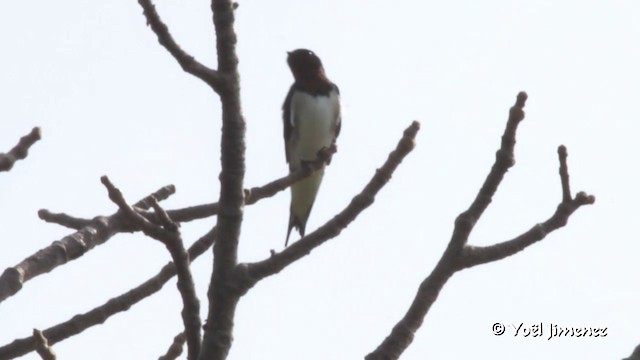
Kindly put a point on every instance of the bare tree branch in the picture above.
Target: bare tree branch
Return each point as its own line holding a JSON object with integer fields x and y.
{"x": 504, "y": 160}
{"x": 564, "y": 174}
{"x": 63, "y": 219}
{"x": 100, "y": 314}
{"x": 188, "y": 63}
{"x": 42, "y": 346}
{"x": 223, "y": 296}
{"x": 170, "y": 237}
{"x": 69, "y": 248}
{"x": 19, "y": 151}
{"x": 460, "y": 255}
{"x": 175, "y": 349}
{"x": 251, "y": 196}
{"x": 331, "y": 229}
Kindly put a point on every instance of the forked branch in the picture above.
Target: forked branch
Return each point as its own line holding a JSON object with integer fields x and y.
{"x": 70, "y": 247}
{"x": 188, "y": 63}
{"x": 169, "y": 235}
{"x": 459, "y": 255}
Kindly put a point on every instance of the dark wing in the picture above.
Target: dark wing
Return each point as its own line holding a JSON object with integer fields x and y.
{"x": 339, "y": 120}
{"x": 286, "y": 121}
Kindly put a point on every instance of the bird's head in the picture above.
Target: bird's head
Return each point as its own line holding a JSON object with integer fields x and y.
{"x": 304, "y": 64}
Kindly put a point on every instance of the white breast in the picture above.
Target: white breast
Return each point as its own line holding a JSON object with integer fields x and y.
{"x": 314, "y": 120}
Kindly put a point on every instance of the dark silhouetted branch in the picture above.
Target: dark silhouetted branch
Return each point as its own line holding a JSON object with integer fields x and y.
{"x": 169, "y": 235}
{"x": 476, "y": 255}
{"x": 460, "y": 255}
{"x": 175, "y": 349}
{"x": 222, "y": 296}
{"x": 100, "y": 314}
{"x": 188, "y": 63}
{"x": 64, "y": 219}
{"x": 251, "y": 196}
{"x": 333, "y": 227}
{"x": 70, "y": 247}
{"x": 19, "y": 151}
{"x": 42, "y": 346}
{"x": 564, "y": 174}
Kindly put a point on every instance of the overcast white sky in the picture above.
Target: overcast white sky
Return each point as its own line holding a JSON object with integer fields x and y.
{"x": 110, "y": 100}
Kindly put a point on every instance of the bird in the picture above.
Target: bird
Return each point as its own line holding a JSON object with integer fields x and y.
{"x": 312, "y": 121}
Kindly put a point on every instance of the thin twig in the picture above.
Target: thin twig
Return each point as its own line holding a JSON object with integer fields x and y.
{"x": 20, "y": 151}
{"x": 188, "y": 63}
{"x": 63, "y": 219}
{"x": 252, "y": 195}
{"x": 564, "y": 174}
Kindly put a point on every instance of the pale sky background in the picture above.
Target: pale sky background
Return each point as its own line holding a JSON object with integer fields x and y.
{"x": 111, "y": 101}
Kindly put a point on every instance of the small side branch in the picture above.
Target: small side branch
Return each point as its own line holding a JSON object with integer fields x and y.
{"x": 42, "y": 346}
{"x": 19, "y": 151}
{"x": 252, "y": 195}
{"x": 175, "y": 349}
{"x": 188, "y": 63}
{"x": 474, "y": 255}
{"x": 564, "y": 174}
{"x": 169, "y": 235}
{"x": 504, "y": 161}
{"x": 255, "y": 194}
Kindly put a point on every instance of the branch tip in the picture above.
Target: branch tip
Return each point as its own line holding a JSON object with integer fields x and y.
{"x": 564, "y": 174}
{"x": 20, "y": 151}
{"x": 521, "y": 99}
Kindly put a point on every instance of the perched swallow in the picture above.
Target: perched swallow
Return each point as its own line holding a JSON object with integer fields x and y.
{"x": 311, "y": 117}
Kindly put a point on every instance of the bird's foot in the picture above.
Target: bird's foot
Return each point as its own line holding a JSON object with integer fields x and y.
{"x": 325, "y": 153}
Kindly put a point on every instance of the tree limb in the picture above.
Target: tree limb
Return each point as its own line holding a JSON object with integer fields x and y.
{"x": 460, "y": 255}
{"x": 100, "y": 314}
{"x": 188, "y": 63}
{"x": 222, "y": 295}
{"x": 69, "y": 248}
{"x": 301, "y": 248}
{"x": 170, "y": 237}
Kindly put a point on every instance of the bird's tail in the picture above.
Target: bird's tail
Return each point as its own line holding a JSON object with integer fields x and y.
{"x": 300, "y": 223}
{"x": 303, "y": 195}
